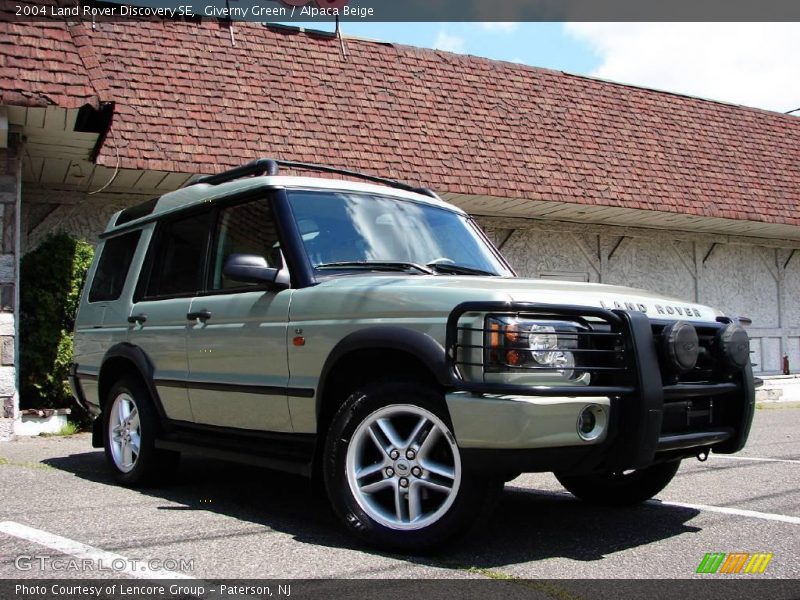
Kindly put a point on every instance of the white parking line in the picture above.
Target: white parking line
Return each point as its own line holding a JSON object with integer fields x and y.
{"x": 730, "y": 511}
{"x": 778, "y": 460}
{"x": 98, "y": 557}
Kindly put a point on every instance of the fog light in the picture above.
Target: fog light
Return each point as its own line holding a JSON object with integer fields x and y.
{"x": 586, "y": 422}
{"x": 591, "y": 422}
{"x": 681, "y": 345}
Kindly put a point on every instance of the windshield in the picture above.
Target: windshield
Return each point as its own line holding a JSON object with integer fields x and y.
{"x": 350, "y": 230}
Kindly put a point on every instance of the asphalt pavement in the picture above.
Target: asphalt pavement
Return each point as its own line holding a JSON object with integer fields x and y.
{"x": 231, "y": 521}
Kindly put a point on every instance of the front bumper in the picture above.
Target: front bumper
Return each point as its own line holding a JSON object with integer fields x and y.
{"x": 520, "y": 422}
{"x": 513, "y": 428}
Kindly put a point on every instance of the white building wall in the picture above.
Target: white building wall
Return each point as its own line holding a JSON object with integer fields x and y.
{"x": 741, "y": 276}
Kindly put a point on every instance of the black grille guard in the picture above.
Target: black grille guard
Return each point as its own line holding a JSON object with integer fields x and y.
{"x": 637, "y": 401}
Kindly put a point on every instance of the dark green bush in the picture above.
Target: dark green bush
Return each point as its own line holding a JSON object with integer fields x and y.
{"x": 51, "y": 278}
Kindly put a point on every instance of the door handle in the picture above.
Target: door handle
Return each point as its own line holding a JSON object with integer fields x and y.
{"x": 137, "y": 319}
{"x": 203, "y": 315}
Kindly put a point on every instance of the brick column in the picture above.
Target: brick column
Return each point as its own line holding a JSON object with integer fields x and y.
{"x": 10, "y": 189}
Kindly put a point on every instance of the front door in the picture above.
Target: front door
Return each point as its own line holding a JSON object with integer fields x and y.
{"x": 236, "y": 344}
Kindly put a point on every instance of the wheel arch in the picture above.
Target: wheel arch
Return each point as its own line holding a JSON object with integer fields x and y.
{"x": 376, "y": 353}
{"x": 126, "y": 359}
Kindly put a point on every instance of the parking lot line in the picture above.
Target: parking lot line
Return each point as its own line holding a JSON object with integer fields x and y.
{"x": 99, "y": 558}
{"x": 778, "y": 460}
{"x": 730, "y": 511}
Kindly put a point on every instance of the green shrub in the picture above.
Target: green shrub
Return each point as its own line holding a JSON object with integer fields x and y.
{"x": 51, "y": 278}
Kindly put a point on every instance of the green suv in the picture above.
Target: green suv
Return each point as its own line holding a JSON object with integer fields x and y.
{"x": 370, "y": 335}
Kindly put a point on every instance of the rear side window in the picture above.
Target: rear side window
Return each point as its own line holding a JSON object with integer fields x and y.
{"x": 112, "y": 270}
{"x": 179, "y": 256}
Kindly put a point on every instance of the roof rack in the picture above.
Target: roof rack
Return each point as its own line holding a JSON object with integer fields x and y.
{"x": 269, "y": 166}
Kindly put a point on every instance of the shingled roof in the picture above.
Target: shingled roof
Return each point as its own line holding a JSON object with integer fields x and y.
{"x": 187, "y": 100}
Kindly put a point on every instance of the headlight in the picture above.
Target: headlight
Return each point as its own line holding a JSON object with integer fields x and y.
{"x": 523, "y": 345}
{"x": 545, "y": 350}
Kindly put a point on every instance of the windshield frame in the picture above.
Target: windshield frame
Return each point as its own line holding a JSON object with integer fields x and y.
{"x": 319, "y": 275}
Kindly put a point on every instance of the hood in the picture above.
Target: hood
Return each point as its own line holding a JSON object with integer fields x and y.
{"x": 429, "y": 295}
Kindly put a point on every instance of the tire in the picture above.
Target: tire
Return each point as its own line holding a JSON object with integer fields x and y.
{"x": 393, "y": 471}
{"x": 621, "y": 488}
{"x": 129, "y": 427}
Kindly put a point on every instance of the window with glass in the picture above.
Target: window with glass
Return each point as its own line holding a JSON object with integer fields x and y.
{"x": 179, "y": 255}
{"x": 247, "y": 228}
{"x": 346, "y": 230}
{"x": 112, "y": 269}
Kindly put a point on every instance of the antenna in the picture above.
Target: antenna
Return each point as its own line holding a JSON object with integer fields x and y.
{"x": 230, "y": 23}
{"x": 338, "y": 34}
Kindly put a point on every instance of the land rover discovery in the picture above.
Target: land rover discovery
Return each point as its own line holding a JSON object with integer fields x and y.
{"x": 365, "y": 332}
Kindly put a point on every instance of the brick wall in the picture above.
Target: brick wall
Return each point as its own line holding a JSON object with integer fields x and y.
{"x": 9, "y": 193}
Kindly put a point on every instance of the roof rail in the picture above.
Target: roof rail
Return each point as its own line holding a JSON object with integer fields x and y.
{"x": 269, "y": 166}
{"x": 257, "y": 167}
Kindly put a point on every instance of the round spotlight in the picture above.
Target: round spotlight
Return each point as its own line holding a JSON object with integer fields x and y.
{"x": 681, "y": 345}
{"x": 734, "y": 345}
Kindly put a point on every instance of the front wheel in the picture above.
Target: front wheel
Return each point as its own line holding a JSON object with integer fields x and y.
{"x": 393, "y": 470}
{"x": 621, "y": 488}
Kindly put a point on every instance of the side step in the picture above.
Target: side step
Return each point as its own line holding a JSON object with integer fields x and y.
{"x": 287, "y": 452}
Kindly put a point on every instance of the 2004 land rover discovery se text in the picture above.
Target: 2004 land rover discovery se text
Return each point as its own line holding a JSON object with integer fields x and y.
{"x": 369, "y": 334}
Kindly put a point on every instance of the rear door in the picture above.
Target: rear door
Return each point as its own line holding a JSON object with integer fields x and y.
{"x": 102, "y": 320}
{"x": 171, "y": 277}
{"x": 238, "y": 367}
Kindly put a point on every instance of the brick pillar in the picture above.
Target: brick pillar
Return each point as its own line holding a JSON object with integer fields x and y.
{"x": 10, "y": 188}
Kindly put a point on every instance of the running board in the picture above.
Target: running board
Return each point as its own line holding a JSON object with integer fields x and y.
{"x": 287, "y": 452}
{"x": 269, "y": 462}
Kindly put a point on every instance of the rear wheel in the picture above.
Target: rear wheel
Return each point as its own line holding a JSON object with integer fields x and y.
{"x": 130, "y": 432}
{"x": 393, "y": 470}
{"x": 621, "y": 488}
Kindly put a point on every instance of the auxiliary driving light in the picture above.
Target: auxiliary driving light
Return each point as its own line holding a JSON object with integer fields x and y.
{"x": 733, "y": 344}
{"x": 681, "y": 345}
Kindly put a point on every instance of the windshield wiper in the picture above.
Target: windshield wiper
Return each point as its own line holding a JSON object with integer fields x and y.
{"x": 446, "y": 267}
{"x": 376, "y": 265}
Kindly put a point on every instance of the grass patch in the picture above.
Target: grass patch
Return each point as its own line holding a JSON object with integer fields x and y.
{"x": 776, "y": 405}
{"x": 68, "y": 429}
{"x": 551, "y": 590}
{"x": 25, "y": 465}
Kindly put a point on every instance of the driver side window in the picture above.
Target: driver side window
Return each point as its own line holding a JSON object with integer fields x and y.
{"x": 247, "y": 228}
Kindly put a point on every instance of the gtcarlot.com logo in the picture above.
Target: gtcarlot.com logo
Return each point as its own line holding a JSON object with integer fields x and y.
{"x": 733, "y": 563}
{"x": 28, "y": 562}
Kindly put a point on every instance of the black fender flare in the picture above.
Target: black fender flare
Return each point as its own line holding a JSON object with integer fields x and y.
{"x": 386, "y": 337}
{"x": 142, "y": 363}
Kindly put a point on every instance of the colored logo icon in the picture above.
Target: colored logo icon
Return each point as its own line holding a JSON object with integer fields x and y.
{"x": 734, "y": 562}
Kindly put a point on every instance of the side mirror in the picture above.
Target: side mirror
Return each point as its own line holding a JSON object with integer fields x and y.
{"x": 252, "y": 268}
